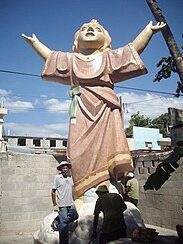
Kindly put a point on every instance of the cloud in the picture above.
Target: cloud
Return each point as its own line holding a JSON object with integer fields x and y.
{"x": 57, "y": 127}
{"x": 148, "y": 105}
{"x": 18, "y": 106}
{"x": 46, "y": 130}
{"x": 43, "y": 96}
{"x": 4, "y": 92}
{"x": 12, "y": 103}
{"x": 55, "y": 106}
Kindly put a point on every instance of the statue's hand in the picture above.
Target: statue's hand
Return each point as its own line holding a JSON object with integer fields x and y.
{"x": 30, "y": 39}
{"x": 157, "y": 27}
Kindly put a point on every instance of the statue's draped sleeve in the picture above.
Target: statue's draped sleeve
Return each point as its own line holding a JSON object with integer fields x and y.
{"x": 58, "y": 67}
{"x": 113, "y": 66}
{"x": 125, "y": 63}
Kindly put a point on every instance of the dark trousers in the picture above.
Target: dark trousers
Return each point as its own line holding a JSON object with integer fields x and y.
{"x": 130, "y": 199}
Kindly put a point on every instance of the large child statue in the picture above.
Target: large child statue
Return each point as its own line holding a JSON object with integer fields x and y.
{"x": 97, "y": 146}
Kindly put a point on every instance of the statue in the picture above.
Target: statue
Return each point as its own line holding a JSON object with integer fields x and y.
{"x": 97, "y": 145}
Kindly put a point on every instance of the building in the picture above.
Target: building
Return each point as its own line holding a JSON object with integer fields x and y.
{"x": 36, "y": 144}
{"x": 143, "y": 139}
{"x": 147, "y": 139}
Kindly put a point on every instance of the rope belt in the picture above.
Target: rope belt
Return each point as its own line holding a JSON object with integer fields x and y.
{"x": 74, "y": 93}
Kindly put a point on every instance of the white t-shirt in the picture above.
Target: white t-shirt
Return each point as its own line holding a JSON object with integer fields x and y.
{"x": 63, "y": 187}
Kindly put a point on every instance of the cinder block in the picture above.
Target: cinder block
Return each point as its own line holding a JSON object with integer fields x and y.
{"x": 14, "y": 216}
{"x": 152, "y": 170}
{"x": 155, "y": 163}
{"x": 37, "y": 215}
{"x": 179, "y": 200}
{"x": 139, "y": 164}
{"x": 7, "y": 171}
{"x": 8, "y": 187}
{"x": 22, "y": 171}
{"x": 143, "y": 170}
{"x": 147, "y": 164}
{"x": 23, "y": 226}
{"x": 11, "y": 194}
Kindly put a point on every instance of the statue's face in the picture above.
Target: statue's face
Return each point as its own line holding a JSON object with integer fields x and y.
{"x": 91, "y": 35}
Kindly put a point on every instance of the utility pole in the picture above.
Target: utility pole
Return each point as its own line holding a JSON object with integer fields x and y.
{"x": 3, "y": 112}
{"x": 122, "y": 110}
{"x": 168, "y": 36}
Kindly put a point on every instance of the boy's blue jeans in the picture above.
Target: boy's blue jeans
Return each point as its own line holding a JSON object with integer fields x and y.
{"x": 66, "y": 215}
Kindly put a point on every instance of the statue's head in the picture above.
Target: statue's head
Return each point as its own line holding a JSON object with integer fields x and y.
{"x": 92, "y": 35}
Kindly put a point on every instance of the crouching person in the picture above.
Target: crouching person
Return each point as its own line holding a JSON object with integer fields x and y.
{"x": 63, "y": 201}
{"x": 112, "y": 205}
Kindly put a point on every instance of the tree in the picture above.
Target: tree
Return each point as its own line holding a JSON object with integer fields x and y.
{"x": 177, "y": 59}
{"x": 137, "y": 120}
{"x": 161, "y": 123}
{"x": 167, "y": 66}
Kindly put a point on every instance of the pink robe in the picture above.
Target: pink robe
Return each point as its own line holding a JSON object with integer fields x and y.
{"x": 97, "y": 145}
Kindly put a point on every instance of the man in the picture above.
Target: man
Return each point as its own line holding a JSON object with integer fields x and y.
{"x": 63, "y": 202}
{"x": 112, "y": 206}
{"x": 132, "y": 189}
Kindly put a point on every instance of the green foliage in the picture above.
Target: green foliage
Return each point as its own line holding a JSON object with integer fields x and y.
{"x": 142, "y": 121}
{"x": 136, "y": 120}
{"x": 167, "y": 67}
{"x": 161, "y": 123}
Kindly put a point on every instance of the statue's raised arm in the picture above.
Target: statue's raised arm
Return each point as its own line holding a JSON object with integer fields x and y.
{"x": 39, "y": 47}
{"x": 144, "y": 37}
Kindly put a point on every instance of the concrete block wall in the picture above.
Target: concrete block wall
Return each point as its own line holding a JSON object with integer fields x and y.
{"x": 25, "y": 186}
{"x": 164, "y": 207}
{"x": 26, "y": 181}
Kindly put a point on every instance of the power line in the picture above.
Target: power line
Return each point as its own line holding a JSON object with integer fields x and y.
{"x": 19, "y": 73}
{"x": 26, "y": 109}
{"x": 123, "y": 87}
{"x": 147, "y": 90}
{"x": 142, "y": 101}
{"x": 47, "y": 109}
{"x": 30, "y": 96}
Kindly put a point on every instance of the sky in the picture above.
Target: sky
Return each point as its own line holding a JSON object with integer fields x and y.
{"x": 40, "y": 108}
